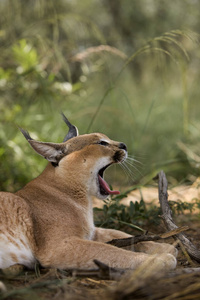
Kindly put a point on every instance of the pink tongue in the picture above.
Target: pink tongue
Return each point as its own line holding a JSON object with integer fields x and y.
{"x": 106, "y": 187}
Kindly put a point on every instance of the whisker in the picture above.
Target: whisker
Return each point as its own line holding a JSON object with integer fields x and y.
{"x": 130, "y": 173}
{"x": 137, "y": 156}
{"x": 133, "y": 166}
{"x": 134, "y": 163}
{"x": 135, "y": 160}
{"x": 126, "y": 171}
{"x": 130, "y": 162}
{"x": 136, "y": 169}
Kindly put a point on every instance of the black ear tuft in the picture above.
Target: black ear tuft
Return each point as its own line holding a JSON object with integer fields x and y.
{"x": 73, "y": 131}
{"x": 25, "y": 134}
{"x": 66, "y": 120}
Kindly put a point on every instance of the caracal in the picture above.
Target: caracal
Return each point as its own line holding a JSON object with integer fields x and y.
{"x": 50, "y": 220}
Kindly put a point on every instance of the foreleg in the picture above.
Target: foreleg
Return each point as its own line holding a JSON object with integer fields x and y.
{"x": 78, "y": 253}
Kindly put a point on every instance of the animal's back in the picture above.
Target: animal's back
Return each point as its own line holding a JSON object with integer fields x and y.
{"x": 16, "y": 232}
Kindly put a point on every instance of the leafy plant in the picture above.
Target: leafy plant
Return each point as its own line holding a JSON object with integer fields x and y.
{"x": 180, "y": 207}
{"x": 119, "y": 216}
{"x": 137, "y": 215}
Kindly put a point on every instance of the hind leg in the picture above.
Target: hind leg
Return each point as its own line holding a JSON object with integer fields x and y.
{"x": 155, "y": 248}
{"x": 14, "y": 249}
{"x": 16, "y": 237}
{"x": 105, "y": 235}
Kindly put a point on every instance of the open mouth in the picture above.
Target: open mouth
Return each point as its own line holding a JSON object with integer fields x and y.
{"x": 103, "y": 185}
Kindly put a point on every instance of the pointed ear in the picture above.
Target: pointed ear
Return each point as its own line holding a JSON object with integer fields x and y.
{"x": 73, "y": 130}
{"x": 50, "y": 151}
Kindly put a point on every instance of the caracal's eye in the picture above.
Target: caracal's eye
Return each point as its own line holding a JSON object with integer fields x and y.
{"x": 103, "y": 143}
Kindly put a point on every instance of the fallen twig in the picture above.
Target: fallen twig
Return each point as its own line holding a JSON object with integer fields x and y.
{"x": 173, "y": 232}
{"x": 102, "y": 271}
{"x": 106, "y": 272}
{"x": 146, "y": 238}
{"x": 167, "y": 218}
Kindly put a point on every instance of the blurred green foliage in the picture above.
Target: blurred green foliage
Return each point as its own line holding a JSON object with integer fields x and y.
{"x": 129, "y": 69}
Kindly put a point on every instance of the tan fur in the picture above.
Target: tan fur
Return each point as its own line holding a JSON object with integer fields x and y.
{"x": 50, "y": 220}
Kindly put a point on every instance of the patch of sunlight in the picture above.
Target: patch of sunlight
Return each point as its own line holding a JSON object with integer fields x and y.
{"x": 64, "y": 87}
{"x": 17, "y": 150}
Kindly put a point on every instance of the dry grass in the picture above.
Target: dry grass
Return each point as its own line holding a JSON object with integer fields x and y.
{"x": 137, "y": 286}
{"x": 144, "y": 283}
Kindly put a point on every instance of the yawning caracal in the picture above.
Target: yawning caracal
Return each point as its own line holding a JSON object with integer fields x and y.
{"x": 50, "y": 220}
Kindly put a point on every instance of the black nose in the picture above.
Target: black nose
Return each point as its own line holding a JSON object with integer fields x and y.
{"x": 122, "y": 146}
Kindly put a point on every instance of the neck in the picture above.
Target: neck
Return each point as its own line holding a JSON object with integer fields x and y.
{"x": 51, "y": 198}
{"x": 49, "y": 185}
